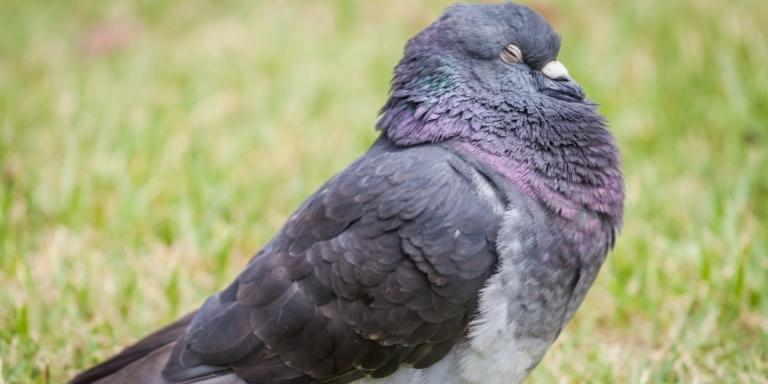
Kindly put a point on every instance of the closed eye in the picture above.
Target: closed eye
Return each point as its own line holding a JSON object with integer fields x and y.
{"x": 511, "y": 54}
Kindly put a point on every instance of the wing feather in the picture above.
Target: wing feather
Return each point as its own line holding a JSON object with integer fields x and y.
{"x": 382, "y": 266}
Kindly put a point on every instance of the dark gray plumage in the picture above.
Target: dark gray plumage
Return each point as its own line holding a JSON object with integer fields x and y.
{"x": 454, "y": 250}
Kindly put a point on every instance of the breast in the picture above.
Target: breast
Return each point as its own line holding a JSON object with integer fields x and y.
{"x": 542, "y": 277}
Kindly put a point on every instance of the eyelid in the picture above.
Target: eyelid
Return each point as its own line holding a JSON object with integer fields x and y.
{"x": 511, "y": 54}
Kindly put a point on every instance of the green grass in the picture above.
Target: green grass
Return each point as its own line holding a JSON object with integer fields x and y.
{"x": 138, "y": 174}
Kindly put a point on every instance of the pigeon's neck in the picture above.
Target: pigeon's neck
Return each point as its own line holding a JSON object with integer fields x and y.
{"x": 567, "y": 161}
{"x": 563, "y": 195}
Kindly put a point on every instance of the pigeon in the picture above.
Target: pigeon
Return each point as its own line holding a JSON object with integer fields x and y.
{"x": 454, "y": 250}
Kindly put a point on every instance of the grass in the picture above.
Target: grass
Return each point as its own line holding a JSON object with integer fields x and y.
{"x": 147, "y": 149}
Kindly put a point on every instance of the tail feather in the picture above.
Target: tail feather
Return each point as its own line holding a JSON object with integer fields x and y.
{"x": 151, "y": 353}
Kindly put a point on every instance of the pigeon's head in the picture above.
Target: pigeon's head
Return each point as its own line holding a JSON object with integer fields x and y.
{"x": 505, "y": 47}
{"x": 485, "y": 60}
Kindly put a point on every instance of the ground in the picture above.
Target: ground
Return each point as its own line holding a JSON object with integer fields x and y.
{"x": 148, "y": 149}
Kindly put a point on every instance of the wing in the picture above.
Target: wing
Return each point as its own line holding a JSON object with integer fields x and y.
{"x": 381, "y": 267}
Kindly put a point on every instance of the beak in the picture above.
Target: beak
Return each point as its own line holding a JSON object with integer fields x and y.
{"x": 555, "y": 70}
{"x": 558, "y": 83}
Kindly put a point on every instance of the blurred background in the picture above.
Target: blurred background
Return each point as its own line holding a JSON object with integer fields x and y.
{"x": 148, "y": 149}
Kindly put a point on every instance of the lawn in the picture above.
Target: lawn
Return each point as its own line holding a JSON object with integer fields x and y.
{"x": 148, "y": 149}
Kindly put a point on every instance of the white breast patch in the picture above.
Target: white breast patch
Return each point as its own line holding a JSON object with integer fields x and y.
{"x": 495, "y": 354}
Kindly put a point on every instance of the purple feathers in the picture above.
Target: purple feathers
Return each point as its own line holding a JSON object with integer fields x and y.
{"x": 557, "y": 151}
